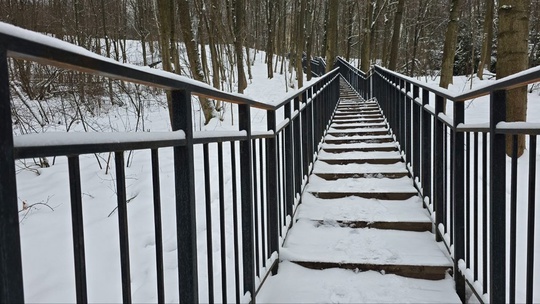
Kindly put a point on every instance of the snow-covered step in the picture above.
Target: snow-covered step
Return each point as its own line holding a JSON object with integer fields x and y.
{"x": 357, "y": 212}
{"x": 371, "y": 187}
{"x": 360, "y": 157}
{"x": 407, "y": 253}
{"x": 358, "y": 125}
{"x": 331, "y": 172}
{"x": 367, "y": 147}
{"x": 358, "y": 111}
{"x": 358, "y": 139}
{"x": 296, "y": 284}
{"x": 357, "y": 106}
{"x": 357, "y": 131}
{"x": 358, "y": 120}
{"x": 347, "y": 115}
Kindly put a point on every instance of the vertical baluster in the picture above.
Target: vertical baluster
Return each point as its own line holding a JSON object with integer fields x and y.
{"x": 408, "y": 130}
{"x": 468, "y": 200}
{"x": 530, "y": 221}
{"x": 208, "y": 217}
{"x": 77, "y": 228}
{"x": 123, "y": 226}
{"x": 11, "y": 281}
{"x": 458, "y": 197}
{"x": 235, "y": 222}
{"x": 484, "y": 211}
{"x": 256, "y": 201}
{"x": 297, "y": 148}
{"x": 158, "y": 235}
{"x": 416, "y": 131}
{"x": 222, "y": 230}
{"x": 476, "y": 192}
{"x": 262, "y": 218}
{"x": 497, "y": 269}
{"x": 513, "y": 219}
{"x": 289, "y": 168}
{"x": 438, "y": 167}
{"x": 426, "y": 147}
{"x": 272, "y": 185}
{"x": 247, "y": 201}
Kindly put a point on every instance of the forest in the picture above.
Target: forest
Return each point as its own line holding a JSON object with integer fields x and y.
{"x": 210, "y": 40}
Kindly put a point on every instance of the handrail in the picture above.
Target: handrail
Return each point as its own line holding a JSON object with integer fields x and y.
{"x": 509, "y": 82}
{"x": 25, "y": 44}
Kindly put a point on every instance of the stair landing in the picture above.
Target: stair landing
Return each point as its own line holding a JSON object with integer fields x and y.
{"x": 360, "y": 234}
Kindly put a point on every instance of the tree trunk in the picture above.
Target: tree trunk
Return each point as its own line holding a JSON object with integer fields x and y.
{"x": 512, "y": 52}
{"x": 239, "y": 34}
{"x": 300, "y": 34}
{"x": 450, "y": 41}
{"x": 394, "y": 48}
{"x": 270, "y": 24}
{"x": 193, "y": 57}
{"x": 332, "y": 34}
{"x": 485, "y": 57}
{"x": 366, "y": 45}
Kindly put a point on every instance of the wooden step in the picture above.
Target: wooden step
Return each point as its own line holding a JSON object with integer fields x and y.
{"x": 358, "y": 120}
{"x": 406, "y": 253}
{"x": 359, "y": 139}
{"x": 297, "y": 284}
{"x": 358, "y": 132}
{"x": 361, "y": 147}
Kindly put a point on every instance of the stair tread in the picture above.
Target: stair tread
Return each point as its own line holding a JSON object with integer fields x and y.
{"x": 311, "y": 241}
{"x": 322, "y": 167}
{"x": 361, "y": 185}
{"x": 355, "y": 138}
{"x": 360, "y": 145}
{"x": 323, "y": 155}
{"x": 357, "y": 130}
{"x": 354, "y": 209}
{"x": 297, "y": 284}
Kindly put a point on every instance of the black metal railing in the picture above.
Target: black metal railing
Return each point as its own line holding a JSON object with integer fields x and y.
{"x": 268, "y": 171}
{"x": 359, "y": 80}
{"x": 318, "y": 66}
{"x": 460, "y": 169}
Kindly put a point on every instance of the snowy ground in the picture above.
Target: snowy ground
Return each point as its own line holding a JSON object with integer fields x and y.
{"x": 46, "y": 229}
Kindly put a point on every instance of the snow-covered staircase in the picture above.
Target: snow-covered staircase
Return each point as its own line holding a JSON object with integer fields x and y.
{"x": 360, "y": 233}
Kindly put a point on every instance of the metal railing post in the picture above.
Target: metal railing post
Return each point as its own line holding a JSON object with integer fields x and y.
{"x": 458, "y": 184}
{"x": 416, "y": 133}
{"x": 272, "y": 185}
{"x": 288, "y": 154}
{"x": 246, "y": 193}
{"x": 426, "y": 147}
{"x": 497, "y": 199}
{"x": 11, "y": 280}
{"x": 184, "y": 172}
{"x": 438, "y": 167}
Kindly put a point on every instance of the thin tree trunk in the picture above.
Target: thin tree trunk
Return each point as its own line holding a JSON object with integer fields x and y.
{"x": 450, "y": 41}
{"x": 239, "y": 36}
{"x": 485, "y": 57}
{"x": 332, "y": 34}
{"x": 366, "y": 45}
{"x": 512, "y": 52}
{"x": 394, "y": 48}
{"x": 193, "y": 57}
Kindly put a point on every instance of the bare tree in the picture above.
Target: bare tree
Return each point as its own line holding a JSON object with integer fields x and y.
{"x": 512, "y": 57}
{"x": 485, "y": 57}
{"x": 332, "y": 34}
{"x": 450, "y": 42}
{"x": 394, "y": 48}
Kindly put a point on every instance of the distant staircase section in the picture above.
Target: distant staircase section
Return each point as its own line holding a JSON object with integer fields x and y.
{"x": 361, "y": 216}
